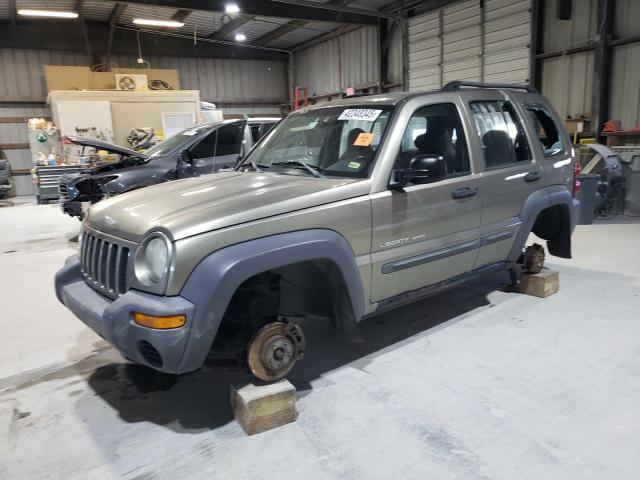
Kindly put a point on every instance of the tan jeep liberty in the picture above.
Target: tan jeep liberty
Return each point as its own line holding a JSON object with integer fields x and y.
{"x": 342, "y": 211}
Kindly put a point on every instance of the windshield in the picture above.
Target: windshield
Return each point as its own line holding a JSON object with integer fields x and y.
{"x": 175, "y": 141}
{"x": 337, "y": 141}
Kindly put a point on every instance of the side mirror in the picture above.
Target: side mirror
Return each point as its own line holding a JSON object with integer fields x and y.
{"x": 424, "y": 168}
{"x": 185, "y": 156}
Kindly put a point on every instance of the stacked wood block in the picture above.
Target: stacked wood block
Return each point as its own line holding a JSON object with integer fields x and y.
{"x": 258, "y": 408}
{"x": 540, "y": 284}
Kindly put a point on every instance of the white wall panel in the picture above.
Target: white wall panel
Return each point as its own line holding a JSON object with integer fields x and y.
{"x": 625, "y": 85}
{"x": 567, "y": 83}
{"x": 564, "y": 34}
{"x": 349, "y": 60}
{"x": 425, "y": 52}
{"x": 465, "y": 41}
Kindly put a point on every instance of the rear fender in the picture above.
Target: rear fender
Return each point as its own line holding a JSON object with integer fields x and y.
{"x": 554, "y": 196}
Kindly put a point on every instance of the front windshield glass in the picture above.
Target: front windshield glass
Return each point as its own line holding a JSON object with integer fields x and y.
{"x": 175, "y": 141}
{"x": 336, "y": 141}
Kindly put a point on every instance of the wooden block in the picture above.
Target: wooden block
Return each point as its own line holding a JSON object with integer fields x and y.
{"x": 541, "y": 284}
{"x": 258, "y": 408}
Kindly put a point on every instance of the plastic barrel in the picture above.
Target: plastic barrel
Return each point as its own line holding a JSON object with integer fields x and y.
{"x": 589, "y": 198}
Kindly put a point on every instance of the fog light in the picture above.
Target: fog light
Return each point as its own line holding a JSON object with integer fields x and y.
{"x": 160, "y": 323}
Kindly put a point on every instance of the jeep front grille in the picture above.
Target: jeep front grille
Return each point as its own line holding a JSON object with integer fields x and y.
{"x": 104, "y": 264}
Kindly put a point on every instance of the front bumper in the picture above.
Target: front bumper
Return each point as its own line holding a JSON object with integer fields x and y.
{"x": 111, "y": 319}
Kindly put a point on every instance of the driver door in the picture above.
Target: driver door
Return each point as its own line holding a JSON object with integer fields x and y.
{"x": 219, "y": 149}
{"x": 427, "y": 233}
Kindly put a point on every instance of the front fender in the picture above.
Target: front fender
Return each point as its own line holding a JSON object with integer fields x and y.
{"x": 136, "y": 177}
{"x": 216, "y": 278}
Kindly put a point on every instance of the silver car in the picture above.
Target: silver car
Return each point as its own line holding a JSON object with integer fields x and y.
{"x": 342, "y": 211}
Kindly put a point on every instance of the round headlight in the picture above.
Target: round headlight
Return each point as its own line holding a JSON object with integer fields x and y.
{"x": 153, "y": 260}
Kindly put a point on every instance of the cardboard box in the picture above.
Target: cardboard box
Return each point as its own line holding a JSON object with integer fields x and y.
{"x": 60, "y": 77}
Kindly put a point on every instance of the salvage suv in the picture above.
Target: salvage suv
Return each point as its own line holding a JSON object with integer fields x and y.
{"x": 197, "y": 150}
{"x": 342, "y": 211}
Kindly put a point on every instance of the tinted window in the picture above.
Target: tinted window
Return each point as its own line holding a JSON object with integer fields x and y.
{"x": 501, "y": 133}
{"x": 547, "y": 131}
{"x": 222, "y": 141}
{"x": 258, "y": 130}
{"x": 436, "y": 130}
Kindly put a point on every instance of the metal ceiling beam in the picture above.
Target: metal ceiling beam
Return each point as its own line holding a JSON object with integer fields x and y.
{"x": 181, "y": 15}
{"x": 230, "y": 27}
{"x": 79, "y": 7}
{"x": 279, "y": 32}
{"x": 275, "y": 8}
{"x": 114, "y": 17}
{"x": 293, "y": 25}
{"x": 326, "y": 36}
{"x": 116, "y": 13}
{"x": 12, "y": 12}
{"x": 34, "y": 35}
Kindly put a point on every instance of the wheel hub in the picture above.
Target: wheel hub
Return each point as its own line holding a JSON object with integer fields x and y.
{"x": 533, "y": 258}
{"x": 275, "y": 349}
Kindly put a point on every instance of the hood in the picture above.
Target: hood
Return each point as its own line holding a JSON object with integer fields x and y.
{"x": 188, "y": 207}
{"x": 109, "y": 147}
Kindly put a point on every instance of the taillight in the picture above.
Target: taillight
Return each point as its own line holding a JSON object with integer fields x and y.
{"x": 576, "y": 182}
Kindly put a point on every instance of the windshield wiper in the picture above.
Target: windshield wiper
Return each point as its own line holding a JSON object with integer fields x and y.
{"x": 257, "y": 167}
{"x": 290, "y": 163}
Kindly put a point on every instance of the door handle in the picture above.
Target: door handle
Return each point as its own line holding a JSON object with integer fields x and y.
{"x": 464, "y": 192}
{"x": 532, "y": 177}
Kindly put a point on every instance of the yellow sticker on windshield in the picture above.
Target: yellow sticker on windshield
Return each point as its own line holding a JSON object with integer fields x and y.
{"x": 363, "y": 140}
{"x": 354, "y": 164}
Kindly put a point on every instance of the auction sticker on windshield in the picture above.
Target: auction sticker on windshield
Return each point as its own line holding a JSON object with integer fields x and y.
{"x": 366, "y": 114}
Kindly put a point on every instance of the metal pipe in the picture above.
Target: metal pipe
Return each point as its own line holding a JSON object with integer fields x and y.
{"x": 202, "y": 39}
{"x": 337, "y": 8}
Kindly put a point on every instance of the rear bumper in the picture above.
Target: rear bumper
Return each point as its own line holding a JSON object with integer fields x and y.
{"x": 575, "y": 211}
{"x": 111, "y": 319}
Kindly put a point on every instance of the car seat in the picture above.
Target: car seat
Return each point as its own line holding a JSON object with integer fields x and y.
{"x": 498, "y": 148}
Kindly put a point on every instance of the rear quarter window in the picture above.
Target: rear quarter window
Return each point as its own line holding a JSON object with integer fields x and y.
{"x": 549, "y": 134}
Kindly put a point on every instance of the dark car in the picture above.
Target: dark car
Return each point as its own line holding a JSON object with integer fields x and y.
{"x": 195, "y": 151}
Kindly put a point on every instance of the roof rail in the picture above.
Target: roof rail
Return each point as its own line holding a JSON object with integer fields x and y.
{"x": 456, "y": 84}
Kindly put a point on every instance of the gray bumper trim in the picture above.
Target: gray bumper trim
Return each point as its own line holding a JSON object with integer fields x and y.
{"x": 111, "y": 319}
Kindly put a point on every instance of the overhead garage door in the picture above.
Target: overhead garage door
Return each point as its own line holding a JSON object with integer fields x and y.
{"x": 470, "y": 40}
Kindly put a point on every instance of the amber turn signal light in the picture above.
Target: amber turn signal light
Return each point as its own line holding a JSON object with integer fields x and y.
{"x": 160, "y": 323}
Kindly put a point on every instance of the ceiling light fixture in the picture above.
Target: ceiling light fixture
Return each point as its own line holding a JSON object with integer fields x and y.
{"x": 232, "y": 8}
{"x": 28, "y": 12}
{"x": 158, "y": 23}
{"x": 240, "y": 37}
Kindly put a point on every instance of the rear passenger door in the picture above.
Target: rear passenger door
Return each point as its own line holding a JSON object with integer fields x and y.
{"x": 510, "y": 171}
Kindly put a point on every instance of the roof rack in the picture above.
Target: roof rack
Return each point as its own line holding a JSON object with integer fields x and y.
{"x": 456, "y": 84}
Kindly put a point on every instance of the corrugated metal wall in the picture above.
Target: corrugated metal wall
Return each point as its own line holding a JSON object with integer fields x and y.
{"x": 567, "y": 83}
{"x": 233, "y": 84}
{"x": 350, "y": 60}
{"x": 625, "y": 66}
{"x": 22, "y": 77}
{"x": 470, "y": 40}
{"x": 567, "y": 80}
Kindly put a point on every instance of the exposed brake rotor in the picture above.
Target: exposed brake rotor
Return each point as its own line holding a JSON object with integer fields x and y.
{"x": 275, "y": 349}
{"x": 533, "y": 259}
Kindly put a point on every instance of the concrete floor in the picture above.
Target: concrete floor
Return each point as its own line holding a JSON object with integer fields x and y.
{"x": 476, "y": 383}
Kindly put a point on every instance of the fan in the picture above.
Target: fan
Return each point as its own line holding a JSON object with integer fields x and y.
{"x": 126, "y": 83}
